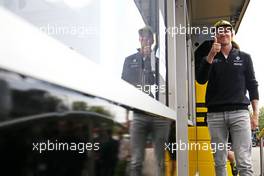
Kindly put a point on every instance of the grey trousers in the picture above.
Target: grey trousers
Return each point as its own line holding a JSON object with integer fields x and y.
{"x": 143, "y": 125}
{"x": 237, "y": 123}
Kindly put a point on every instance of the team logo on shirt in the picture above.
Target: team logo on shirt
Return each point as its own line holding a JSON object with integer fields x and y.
{"x": 134, "y": 63}
{"x": 238, "y": 61}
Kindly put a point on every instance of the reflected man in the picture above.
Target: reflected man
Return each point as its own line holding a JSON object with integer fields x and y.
{"x": 137, "y": 71}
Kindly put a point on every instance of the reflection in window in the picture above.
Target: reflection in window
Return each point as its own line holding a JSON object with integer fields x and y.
{"x": 69, "y": 146}
{"x": 152, "y": 13}
{"x": 101, "y": 30}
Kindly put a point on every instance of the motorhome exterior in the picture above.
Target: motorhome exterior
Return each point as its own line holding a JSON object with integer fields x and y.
{"x": 61, "y": 93}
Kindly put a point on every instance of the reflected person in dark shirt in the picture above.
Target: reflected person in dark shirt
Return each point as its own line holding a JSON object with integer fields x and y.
{"x": 137, "y": 71}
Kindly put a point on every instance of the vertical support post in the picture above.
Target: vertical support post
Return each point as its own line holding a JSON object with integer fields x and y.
{"x": 261, "y": 158}
{"x": 171, "y": 58}
{"x": 182, "y": 89}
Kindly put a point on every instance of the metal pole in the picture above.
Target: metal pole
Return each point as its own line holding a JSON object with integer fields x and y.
{"x": 261, "y": 157}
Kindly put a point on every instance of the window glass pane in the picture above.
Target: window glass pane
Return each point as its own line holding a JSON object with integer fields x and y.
{"x": 49, "y": 130}
{"x": 103, "y": 31}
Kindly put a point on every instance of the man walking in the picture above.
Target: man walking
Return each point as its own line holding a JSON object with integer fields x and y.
{"x": 230, "y": 75}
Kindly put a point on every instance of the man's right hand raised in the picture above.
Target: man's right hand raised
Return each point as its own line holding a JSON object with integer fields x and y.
{"x": 216, "y": 47}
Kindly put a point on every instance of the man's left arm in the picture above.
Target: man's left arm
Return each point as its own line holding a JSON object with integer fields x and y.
{"x": 252, "y": 86}
{"x": 255, "y": 115}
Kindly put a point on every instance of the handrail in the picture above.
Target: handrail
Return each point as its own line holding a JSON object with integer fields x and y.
{"x": 260, "y": 137}
{"x": 261, "y": 134}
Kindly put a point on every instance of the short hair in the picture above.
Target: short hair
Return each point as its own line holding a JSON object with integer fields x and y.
{"x": 223, "y": 23}
{"x": 145, "y": 31}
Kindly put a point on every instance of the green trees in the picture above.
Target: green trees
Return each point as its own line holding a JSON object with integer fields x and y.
{"x": 261, "y": 118}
